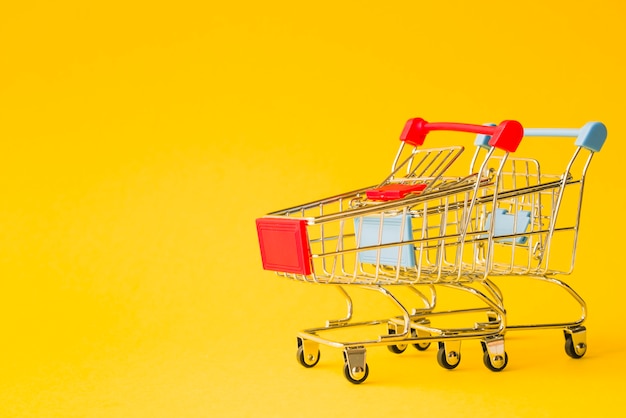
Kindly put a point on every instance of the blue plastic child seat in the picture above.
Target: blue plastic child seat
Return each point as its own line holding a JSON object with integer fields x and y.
{"x": 505, "y": 222}
{"x": 368, "y": 231}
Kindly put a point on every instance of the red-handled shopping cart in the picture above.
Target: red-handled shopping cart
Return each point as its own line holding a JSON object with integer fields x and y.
{"x": 400, "y": 232}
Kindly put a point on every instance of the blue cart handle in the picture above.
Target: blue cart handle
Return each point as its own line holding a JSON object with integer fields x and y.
{"x": 591, "y": 136}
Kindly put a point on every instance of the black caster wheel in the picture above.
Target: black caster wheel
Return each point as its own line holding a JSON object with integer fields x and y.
{"x": 449, "y": 361}
{"x": 397, "y": 349}
{"x": 421, "y": 346}
{"x": 572, "y": 349}
{"x": 355, "y": 376}
{"x": 308, "y": 361}
{"x": 500, "y": 363}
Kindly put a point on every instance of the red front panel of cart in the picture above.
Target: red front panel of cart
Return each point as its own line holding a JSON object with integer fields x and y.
{"x": 284, "y": 245}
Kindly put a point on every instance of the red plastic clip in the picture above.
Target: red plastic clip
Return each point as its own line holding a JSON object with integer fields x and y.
{"x": 394, "y": 191}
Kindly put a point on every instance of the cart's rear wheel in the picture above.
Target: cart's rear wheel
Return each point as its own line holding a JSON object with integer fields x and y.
{"x": 448, "y": 360}
{"x": 307, "y": 361}
{"x": 499, "y": 366}
{"x": 360, "y": 375}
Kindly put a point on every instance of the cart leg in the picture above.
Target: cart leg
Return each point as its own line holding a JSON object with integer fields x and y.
{"x": 429, "y": 302}
{"x": 349, "y": 310}
{"x": 355, "y": 368}
{"x": 308, "y": 353}
{"x": 575, "y": 341}
{"x": 494, "y": 355}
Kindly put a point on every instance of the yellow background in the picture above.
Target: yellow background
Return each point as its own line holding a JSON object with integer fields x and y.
{"x": 140, "y": 140}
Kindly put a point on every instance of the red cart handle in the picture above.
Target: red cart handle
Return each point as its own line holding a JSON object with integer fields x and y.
{"x": 505, "y": 136}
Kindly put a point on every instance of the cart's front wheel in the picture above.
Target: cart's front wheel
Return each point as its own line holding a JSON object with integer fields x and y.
{"x": 574, "y": 349}
{"x": 397, "y": 348}
{"x": 309, "y": 360}
{"x": 498, "y": 364}
{"x": 356, "y": 376}
{"x": 448, "y": 359}
{"x": 421, "y": 346}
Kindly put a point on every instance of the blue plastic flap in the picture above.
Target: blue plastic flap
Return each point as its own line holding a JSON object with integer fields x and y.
{"x": 505, "y": 223}
{"x": 392, "y": 231}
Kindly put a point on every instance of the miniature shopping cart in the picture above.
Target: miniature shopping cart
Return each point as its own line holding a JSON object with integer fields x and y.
{"x": 536, "y": 215}
{"x": 422, "y": 228}
{"x": 394, "y": 233}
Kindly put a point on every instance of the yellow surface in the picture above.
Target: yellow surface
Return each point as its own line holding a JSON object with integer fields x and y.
{"x": 140, "y": 140}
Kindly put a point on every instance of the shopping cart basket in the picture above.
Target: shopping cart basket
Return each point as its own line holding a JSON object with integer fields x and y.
{"x": 403, "y": 231}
